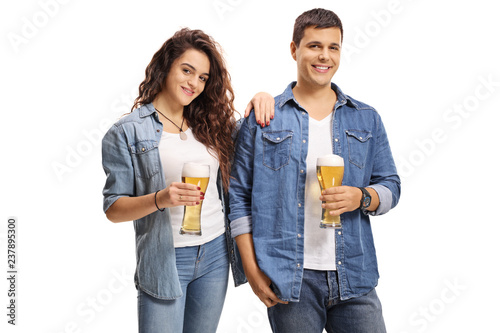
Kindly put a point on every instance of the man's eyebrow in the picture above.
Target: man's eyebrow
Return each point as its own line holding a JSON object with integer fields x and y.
{"x": 192, "y": 67}
{"x": 318, "y": 42}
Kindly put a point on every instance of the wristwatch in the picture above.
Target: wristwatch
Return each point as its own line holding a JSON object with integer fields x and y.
{"x": 366, "y": 200}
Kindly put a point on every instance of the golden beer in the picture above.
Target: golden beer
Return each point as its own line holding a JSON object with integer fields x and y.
{"x": 199, "y": 175}
{"x": 330, "y": 172}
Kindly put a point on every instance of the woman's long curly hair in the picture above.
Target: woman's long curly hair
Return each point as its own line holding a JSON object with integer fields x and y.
{"x": 211, "y": 114}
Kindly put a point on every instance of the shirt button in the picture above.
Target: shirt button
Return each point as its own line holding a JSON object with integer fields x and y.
{"x": 143, "y": 149}
{"x": 277, "y": 138}
{"x": 157, "y": 131}
{"x": 301, "y": 171}
{"x": 303, "y": 141}
{"x": 361, "y": 138}
{"x": 340, "y": 232}
{"x": 340, "y": 262}
{"x": 336, "y": 140}
{"x": 298, "y": 265}
{"x": 299, "y": 235}
{"x": 300, "y": 205}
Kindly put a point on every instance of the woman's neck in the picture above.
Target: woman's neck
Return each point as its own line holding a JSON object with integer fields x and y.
{"x": 174, "y": 115}
{"x": 174, "y": 112}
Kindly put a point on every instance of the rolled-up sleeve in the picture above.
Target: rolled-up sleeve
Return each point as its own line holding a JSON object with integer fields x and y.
{"x": 241, "y": 226}
{"x": 384, "y": 179}
{"x": 240, "y": 190}
{"x": 385, "y": 200}
{"x": 117, "y": 165}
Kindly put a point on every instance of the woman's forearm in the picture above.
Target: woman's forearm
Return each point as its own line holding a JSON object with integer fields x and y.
{"x": 131, "y": 208}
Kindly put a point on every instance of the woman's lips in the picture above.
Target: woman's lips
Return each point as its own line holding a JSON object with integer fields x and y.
{"x": 187, "y": 91}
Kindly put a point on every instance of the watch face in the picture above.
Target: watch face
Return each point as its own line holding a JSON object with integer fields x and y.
{"x": 366, "y": 202}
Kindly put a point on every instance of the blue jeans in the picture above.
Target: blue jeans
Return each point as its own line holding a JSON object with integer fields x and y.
{"x": 320, "y": 308}
{"x": 203, "y": 273}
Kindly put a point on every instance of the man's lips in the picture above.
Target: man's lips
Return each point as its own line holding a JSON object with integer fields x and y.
{"x": 321, "y": 68}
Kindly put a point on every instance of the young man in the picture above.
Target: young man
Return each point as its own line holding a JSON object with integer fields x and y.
{"x": 312, "y": 278}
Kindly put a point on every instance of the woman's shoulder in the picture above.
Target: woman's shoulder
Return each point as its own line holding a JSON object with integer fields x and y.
{"x": 133, "y": 116}
{"x": 138, "y": 115}
{"x": 131, "y": 120}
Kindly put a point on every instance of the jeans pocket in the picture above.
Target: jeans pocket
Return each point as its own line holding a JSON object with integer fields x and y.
{"x": 358, "y": 142}
{"x": 145, "y": 158}
{"x": 277, "y": 146}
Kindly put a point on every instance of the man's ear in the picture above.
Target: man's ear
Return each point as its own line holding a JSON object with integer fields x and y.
{"x": 293, "y": 50}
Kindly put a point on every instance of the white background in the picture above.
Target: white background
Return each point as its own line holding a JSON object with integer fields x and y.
{"x": 70, "y": 69}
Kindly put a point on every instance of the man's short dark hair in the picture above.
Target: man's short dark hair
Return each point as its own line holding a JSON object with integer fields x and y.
{"x": 318, "y": 18}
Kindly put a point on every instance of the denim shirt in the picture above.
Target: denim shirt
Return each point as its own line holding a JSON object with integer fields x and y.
{"x": 267, "y": 192}
{"x": 131, "y": 161}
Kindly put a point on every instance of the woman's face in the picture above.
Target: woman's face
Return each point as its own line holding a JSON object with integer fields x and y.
{"x": 187, "y": 77}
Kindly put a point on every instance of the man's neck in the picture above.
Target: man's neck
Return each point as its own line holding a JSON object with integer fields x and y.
{"x": 318, "y": 102}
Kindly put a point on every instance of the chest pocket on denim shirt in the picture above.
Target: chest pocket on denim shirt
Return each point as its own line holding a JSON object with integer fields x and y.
{"x": 277, "y": 145}
{"x": 358, "y": 143}
{"x": 145, "y": 158}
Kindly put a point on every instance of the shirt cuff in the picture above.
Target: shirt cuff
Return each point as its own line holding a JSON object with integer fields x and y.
{"x": 109, "y": 201}
{"x": 240, "y": 226}
{"x": 385, "y": 199}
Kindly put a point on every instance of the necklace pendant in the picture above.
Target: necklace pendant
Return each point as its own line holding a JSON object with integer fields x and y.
{"x": 183, "y": 136}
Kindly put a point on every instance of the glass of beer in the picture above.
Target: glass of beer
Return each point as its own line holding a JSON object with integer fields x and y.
{"x": 199, "y": 175}
{"x": 330, "y": 172}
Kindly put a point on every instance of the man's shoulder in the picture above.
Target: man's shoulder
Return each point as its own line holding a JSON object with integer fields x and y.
{"x": 281, "y": 99}
{"x": 351, "y": 101}
{"x": 359, "y": 105}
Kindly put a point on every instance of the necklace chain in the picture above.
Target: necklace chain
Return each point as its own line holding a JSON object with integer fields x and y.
{"x": 182, "y": 135}
{"x": 182, "y": 123}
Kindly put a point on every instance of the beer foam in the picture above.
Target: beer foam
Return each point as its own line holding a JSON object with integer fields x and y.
{"x": 330, "y": 160}
{"x": 195, "y": 170}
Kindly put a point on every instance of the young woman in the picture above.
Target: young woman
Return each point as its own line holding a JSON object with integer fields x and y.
{"x": 184, "y": 113}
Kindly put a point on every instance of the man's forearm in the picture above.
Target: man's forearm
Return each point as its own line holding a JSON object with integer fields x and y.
{"x": 384, "y": 196}
{"x": 247, "y": 252}
{"x": 375, "y": 199}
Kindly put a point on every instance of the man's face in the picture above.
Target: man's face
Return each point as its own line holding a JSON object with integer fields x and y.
{"x": 317, "y": 56}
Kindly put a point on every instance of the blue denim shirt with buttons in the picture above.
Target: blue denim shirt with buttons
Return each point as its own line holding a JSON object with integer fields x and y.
{"x": 131, "y": 161}
{"x": 267, "y": 191}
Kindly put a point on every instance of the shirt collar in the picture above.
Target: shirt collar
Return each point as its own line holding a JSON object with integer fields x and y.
{"x": 287, "y": 95}
{"x": 146, "y": 110}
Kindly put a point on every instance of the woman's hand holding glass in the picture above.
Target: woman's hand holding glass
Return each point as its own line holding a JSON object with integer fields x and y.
{"x": 179, "y": 194}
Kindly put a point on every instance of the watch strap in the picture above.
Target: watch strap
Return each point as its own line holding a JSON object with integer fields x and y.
{"x": 364, "y": 204}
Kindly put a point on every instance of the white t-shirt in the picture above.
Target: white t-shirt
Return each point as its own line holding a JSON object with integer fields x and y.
{"x": 174, "y": 152}
{"x": 319, "y": 243}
